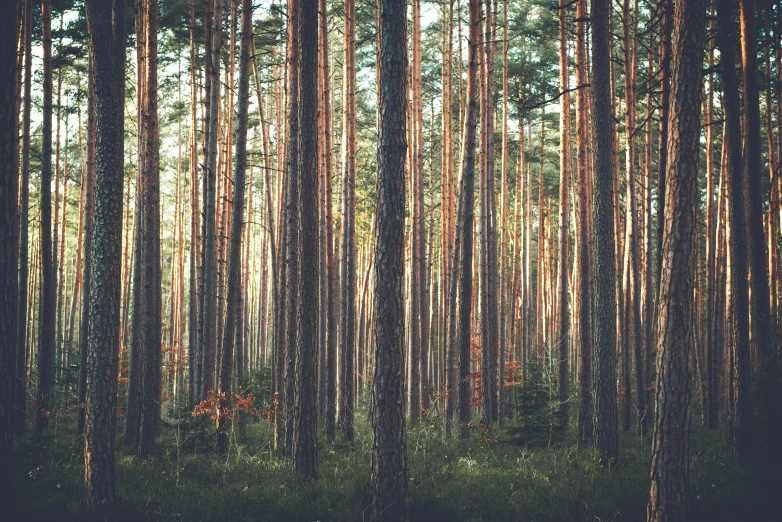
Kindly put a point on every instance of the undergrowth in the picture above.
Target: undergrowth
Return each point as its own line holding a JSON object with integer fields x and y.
{"x": 507, "y": 478}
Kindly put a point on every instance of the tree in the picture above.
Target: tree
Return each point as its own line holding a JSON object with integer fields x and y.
{"x": 348, "y": 257}
{"x": 231, "y": 333}
{"x": 742, "y": 408}
{"x": 208, "y": 340}
{"x": 585, "y": 408}
{"x": 563, "y": 315}
{"x": 389, "y": 452}
{"x": 46, "y": 317}
{"x": 763, "y": 327}
{"x": 107, "y": 41}
{"x": 305, "y": 421}
{"x": 671, "y": 440}
{"x": 9, "y": 251}
{"x": 606, "y": 437}
{"x": 151, "y": 285}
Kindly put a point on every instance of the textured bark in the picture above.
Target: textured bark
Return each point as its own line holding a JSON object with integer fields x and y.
{"x": 9, "y": 231}
{"x": 741, "y": 367}
{"x": 89, "y": 217}
{"x": 606, "y": 436}
{"x": 665, "y": 12}
{"x": 151, "y": 296}
{"x": 389, "y": 452}
{"x": 107, "y": 40}
{"x": 232, "y": 332}
{"x": 46, "y": 316}
{"x": 585, "y": 407}
{"x": 671, "y": 441}
{"x": 292, "y": 246}
{"x": 305, "y": 420}
{"x": 348, "y": 257}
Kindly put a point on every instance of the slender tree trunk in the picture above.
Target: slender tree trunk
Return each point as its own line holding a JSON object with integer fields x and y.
{"x": 606, "y": 436}
{"x": 742, "y": 409}
{"x": 348, "y": 255}
{"x": 563, "y": 313}
{"x": 46, "y": 317}
{"x": 20, "y": 401}
{"x": 231, "y": 333}
{"x": 585, "y": 407}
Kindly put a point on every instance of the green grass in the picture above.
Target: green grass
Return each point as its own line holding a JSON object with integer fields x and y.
{"x": 456, "y": 480}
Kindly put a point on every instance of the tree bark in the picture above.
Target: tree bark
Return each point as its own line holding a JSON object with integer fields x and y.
{"x": 389, "y": 457}
{"x": 606, "y": 435}
{"x": 671, "y": 441}
{"x": 107, "y": 40}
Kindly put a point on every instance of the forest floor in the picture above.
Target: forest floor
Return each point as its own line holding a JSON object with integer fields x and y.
{"x": 481, "y": 478}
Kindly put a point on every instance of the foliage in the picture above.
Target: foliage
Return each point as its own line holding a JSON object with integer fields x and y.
{"x": 453, "y": 480}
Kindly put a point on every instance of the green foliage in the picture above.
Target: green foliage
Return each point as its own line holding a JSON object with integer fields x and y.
{"x": 449, "y": 480}
{"x": 537, "y": 407}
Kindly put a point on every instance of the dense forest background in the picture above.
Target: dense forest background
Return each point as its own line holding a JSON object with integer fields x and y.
{"x": 444, "y": 259}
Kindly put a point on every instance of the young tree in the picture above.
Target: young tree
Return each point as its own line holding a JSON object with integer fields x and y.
{"x": 389, "y": 452}
{"x": 106, "y": 22}
{"x": 671, "y": 440}
{"x": 606, "y": 435}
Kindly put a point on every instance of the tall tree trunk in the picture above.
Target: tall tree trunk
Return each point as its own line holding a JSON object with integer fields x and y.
{"x": 46, "y": 317}
{"x": 305, "y": 420}
{"x": 9, "y": 232}
{"x": 606, "y": 436}
{"x": 107, "y": 39}
{"x": 208, "y": 340}
{"x": 742, "y": 409}
{"x": 389, "y": 457}
{"x": 585, "y": 407}
{"x": 671, "y": 441}
{"x": 151, "y": 334}
{"x": 20, "y": 395}
{"x": 231, "y": 333}
{"x": 348, "y": 256}
{"x": 762, "y": 327}
{"x": 563, "y": 314}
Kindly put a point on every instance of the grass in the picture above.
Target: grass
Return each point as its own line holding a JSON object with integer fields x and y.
{"x": 454, "y": 480}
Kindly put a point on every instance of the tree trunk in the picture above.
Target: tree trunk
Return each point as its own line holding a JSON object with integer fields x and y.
{"x": 389, "y": 458}
{"x": 563, "y": 314}
{"x": 742, "y": 408}
{"x": 305, "y": 420}
{"x": 762, "y": 323}
{"x": 606, "y": 436}
{"x": 671, "y": 440}
{"x": 585, "y": 407}
{"x": 9, "y": 232}
{"x": 107, "y": 39}
{"x": 348, "y": 255}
